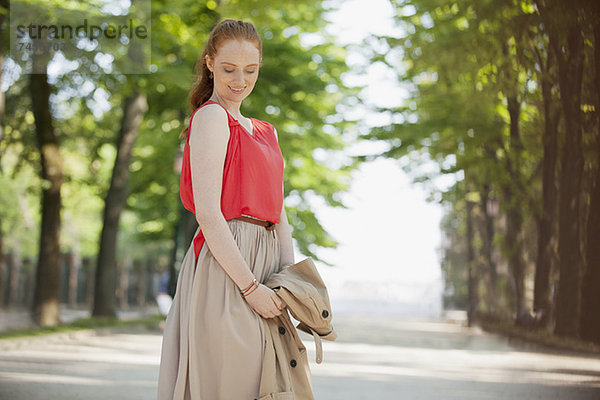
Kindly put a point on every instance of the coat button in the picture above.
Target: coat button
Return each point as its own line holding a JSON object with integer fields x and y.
{"x": 293, "y": 363}
{"x": 325, "y": 313}
{"x": 282, "y": 330}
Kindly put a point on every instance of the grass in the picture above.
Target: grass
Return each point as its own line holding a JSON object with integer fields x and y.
{"x": 83, "y": 324}
{"x": 538, "y": 336}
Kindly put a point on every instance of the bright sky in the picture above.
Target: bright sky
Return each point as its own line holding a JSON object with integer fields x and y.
{"x": 389, "y": 236}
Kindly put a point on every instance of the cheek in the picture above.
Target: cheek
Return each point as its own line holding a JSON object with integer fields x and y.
{"x": 223, "y": 80}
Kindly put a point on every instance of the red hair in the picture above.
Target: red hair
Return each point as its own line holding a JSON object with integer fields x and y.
{"x": 228, "y": 29}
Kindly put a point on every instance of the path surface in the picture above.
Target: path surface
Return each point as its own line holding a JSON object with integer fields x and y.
{"x": 373, "y": 358}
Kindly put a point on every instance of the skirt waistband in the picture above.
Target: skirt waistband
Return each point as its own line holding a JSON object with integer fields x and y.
{"x": 267, "y": 224}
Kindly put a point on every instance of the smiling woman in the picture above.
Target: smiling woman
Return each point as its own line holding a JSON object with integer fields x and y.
{"x": 232, "y": 180}
{"x": 235, "y": 71}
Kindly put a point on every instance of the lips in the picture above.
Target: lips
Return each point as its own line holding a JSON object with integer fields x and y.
{"x": 237, "y": 90}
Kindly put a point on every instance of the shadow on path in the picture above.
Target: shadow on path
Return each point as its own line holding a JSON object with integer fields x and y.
{"x": 374, "y": 358}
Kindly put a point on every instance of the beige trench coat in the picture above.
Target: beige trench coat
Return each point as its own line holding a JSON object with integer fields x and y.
{"x": 285, "y": 371}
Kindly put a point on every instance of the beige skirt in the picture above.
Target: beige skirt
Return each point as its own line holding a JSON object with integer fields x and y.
{"x": 213, "y": 342}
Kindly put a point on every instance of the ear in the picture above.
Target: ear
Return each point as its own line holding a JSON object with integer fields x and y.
{"x": 209, "y": 63}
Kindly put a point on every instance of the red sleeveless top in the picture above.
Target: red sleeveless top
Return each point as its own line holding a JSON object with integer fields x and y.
{"x": 252, "y": 174}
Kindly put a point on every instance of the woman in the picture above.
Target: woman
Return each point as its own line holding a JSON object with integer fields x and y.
{"x": 232, "y": 179}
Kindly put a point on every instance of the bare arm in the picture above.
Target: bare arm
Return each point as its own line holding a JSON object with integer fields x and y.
{"x": 208, "y": 149}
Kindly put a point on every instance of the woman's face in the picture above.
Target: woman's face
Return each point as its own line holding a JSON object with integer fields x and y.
{"x": 235, "y": 69}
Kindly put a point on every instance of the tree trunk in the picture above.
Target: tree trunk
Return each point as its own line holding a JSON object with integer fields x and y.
{"x": 547, "y": 257}
{"x": 47, "y": 282}
{"x": 140, "y": 270}
{"x": 5, "y": 5}
{"x": 188, "y": 225}
{"x": 29, "y": 282}
{"x": 514, "y": 217}
{"x": 14, "y": 274}
{"x": 472, "y": 283}
{"x": 2, "y": 267}
{"x": 570, "y": 71}
{"x": 88, "y": 267}
{"x": 177, "y": 239}
{"x": 488, "y": 245}
{"x": 72, "y": 264}
{"x": 123, "y": 287}
{"x": 590, "y": 294}
{"x": 106, "y": 270}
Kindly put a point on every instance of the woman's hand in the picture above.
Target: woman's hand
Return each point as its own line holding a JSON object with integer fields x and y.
{"x": 265, "y": 302}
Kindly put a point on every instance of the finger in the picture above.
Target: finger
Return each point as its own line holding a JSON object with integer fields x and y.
{"x": 268, "y": 313}
{"x": 275, "y": 312}
{"x": 278, "y": 302}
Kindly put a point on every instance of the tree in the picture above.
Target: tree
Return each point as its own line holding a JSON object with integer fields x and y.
{"x": 463, "y": 60}
{"x": 4, "y": 8}
{"x": 589, "y": 323}
{"x": 106, "y": 271}
{"x": 566, "y": 42}
{"x": 503, "y": 98}
{"x": 547, "y": 256}
{"x": 299, "y": 90}
{"x": 46, "y": 297}
{"x": 300, "y": 96}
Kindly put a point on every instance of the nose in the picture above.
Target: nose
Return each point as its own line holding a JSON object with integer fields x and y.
{"x": 239, "y": 77}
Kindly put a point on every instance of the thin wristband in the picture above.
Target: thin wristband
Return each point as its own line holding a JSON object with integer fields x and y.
{"x": 249, "y": 286}
{"x": 254, "y": 282}
{"x": 247, "y": 290}
{"x": 252, "y": 290}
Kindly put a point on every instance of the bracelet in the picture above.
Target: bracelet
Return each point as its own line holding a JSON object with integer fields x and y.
{"x": 244, "y": 291}
{"x": 249, "y": 286}
{"x": 251, "y": 290}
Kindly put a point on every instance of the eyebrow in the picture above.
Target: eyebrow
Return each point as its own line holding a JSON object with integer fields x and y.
{"x": 235, "y": 65}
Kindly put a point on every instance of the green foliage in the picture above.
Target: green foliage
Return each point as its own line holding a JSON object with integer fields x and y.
{"x": 19, "y": 177}
{"x": 299, "y": 91}
{"x": 463, "y": 61}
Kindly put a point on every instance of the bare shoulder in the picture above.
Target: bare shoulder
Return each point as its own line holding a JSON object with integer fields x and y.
{"x": 210, "y": 118}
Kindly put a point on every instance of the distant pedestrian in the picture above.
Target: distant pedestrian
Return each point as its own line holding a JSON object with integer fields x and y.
{"x": 163, "y": 298}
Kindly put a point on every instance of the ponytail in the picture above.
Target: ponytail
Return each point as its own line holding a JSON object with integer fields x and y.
{"x": 203, "y": 85}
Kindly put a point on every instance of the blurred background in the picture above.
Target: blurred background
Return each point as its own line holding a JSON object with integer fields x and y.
{"x": 440, "y": 155}
{"x": 442, "y": 168}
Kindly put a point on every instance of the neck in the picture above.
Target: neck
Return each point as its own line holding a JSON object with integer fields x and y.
{"x": 232, "y": 107}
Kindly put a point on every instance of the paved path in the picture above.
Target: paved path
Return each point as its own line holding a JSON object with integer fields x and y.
{"x": 372, "y": 359}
